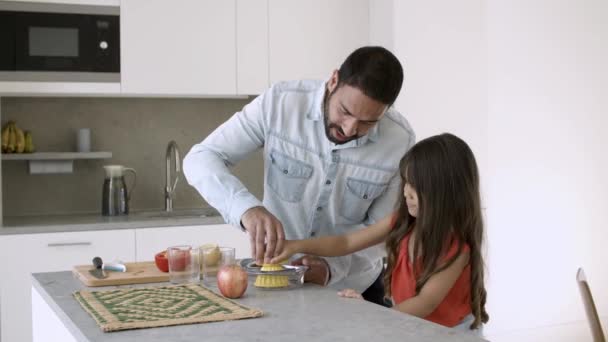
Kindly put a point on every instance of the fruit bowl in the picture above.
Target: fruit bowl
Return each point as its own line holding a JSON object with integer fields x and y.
{"x": 290, "y": 277}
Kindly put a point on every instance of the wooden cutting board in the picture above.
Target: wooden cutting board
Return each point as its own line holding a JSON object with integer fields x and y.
{"x": 137, "y": 273}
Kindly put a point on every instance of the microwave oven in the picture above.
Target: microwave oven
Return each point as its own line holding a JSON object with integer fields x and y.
{"x": 58, "y": 42}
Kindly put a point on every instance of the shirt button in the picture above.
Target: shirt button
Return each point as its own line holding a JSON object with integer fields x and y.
{"x": 319, "y": 208}
{"x": 364, "y": 196}
{"x": 327, "y": 182}
{"x": 285, "y": 171}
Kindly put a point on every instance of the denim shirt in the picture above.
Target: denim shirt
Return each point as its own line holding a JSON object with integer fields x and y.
{"x": 313, "y": 186}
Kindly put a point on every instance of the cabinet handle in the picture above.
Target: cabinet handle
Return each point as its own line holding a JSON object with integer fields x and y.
{"x": 62, "y": 244}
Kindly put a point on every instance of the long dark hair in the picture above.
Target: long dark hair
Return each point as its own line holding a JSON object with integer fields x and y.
{"x": 443, "y": 171}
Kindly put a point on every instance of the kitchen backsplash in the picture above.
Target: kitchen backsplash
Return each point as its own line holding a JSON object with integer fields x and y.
{"x": 135, "y": 130}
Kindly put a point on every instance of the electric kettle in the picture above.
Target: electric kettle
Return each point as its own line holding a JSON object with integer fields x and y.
{"x": 115, "y": 196}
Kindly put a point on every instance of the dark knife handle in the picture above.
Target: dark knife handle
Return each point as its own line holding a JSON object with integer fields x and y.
{"x": 97, "y": 262}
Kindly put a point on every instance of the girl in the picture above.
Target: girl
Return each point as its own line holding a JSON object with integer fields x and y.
{"x": 434, "y": 240}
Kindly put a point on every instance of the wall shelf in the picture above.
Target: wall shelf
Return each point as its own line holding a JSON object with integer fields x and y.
{"x": 56, "y": 155}
{"x": 54, "y": 162}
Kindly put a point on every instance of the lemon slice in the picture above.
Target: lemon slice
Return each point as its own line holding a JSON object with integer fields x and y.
{"x": 210, "y": 253}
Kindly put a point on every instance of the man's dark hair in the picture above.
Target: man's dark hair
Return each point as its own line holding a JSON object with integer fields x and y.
{"x": 375, "y": 71}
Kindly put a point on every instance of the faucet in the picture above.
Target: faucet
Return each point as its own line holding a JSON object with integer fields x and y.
{"x": 172, "y": 148}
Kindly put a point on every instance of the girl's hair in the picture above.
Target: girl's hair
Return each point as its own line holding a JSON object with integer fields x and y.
{"x": 443, "y": 171}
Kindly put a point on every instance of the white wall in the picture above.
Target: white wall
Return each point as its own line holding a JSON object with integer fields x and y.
{"x": 381, "y": 25}
{"x": 441, "y": 45}
{"x": 525, "y": 84}
{"x": 548, "y": 191}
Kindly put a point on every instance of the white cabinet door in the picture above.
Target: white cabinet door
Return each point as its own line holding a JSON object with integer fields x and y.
{"x": 178, "y": 48}
{"x": 31, "y": 253}
{"x": 46, "y": 324}
{"x": 309, "y": 39}
{"x": 252, "y": 46}
{"x": 153, "y": 240}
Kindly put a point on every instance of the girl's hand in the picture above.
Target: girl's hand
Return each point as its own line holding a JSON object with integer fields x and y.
{"x": 290, "y": 247}
{"x": 350, "y": 293}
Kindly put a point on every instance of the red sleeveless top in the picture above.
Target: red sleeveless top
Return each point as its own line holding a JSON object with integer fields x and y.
{"x": 457, "y": 303}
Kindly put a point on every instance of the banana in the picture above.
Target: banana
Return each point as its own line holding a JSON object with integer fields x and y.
{"x": 20, "y": 146}
{"x": 29, "y": 143}
{"x": 12, "y": 138}
{"x": 5, "y": 132}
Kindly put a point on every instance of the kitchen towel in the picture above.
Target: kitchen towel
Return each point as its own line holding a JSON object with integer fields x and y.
{"x": 148, "y": 307}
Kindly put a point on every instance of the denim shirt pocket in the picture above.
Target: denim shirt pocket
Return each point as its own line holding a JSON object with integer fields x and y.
{"x": 288, "y": 177}
{"x": 358, "y": 197}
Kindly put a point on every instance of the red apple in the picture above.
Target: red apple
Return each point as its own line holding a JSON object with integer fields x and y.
{"x": 161, "y": 261}
{"x": 232, "y": 281}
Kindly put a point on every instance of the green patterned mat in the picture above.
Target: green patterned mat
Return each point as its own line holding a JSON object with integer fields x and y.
{"x": 148, "y": 307}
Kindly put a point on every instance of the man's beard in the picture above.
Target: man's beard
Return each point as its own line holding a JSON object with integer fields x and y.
{"x": 328, "y": 125}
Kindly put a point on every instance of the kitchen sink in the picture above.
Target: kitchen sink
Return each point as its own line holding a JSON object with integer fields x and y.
{"x": 178, "y": 213}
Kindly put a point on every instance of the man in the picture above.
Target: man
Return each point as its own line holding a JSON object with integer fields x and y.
{"x": 331, "y": 158}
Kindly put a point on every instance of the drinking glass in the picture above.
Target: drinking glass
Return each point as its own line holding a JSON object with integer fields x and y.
{"x": 212, "y": 259}
{"x": 184, "y": 264}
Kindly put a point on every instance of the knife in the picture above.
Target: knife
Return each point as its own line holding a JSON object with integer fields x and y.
{"x": 98, "y": 271}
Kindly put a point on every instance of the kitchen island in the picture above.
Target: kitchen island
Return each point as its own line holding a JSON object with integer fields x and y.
{"x": 310, "y": 313}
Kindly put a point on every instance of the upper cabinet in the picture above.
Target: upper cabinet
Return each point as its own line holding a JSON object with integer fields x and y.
{"x": 251, "y": 46}
{"x": 235, "y": 47}
{"x": 212, "y": 48}
{"x": 309, "y": 39}
{"x": 178, "y": 48}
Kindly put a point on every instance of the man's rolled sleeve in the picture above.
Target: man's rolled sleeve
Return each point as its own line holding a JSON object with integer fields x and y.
{"x": 240, "y": 205}
{"x": 338, "y": 268}
{"x": 207, "y": 164}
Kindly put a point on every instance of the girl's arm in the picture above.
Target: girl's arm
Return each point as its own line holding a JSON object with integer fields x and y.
{"x": 338, "y": 245}
{"x": 435, "y": 290}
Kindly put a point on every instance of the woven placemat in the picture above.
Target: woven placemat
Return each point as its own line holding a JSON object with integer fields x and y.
{"x": 149, "y": 307}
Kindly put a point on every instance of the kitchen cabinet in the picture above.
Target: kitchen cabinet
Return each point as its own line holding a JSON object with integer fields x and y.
{"x": 15, "y": 89}
{"x": 184, "y": 48}
{"x": 252, "y": 46}
{"x": 151, "y": 241}
{"x": 309, "y": 39}
{"x": 236, "y": 47}
{"x": 28, "y": 253}
{"x": 46, "y": 324}
{"x": 207, "y": 48}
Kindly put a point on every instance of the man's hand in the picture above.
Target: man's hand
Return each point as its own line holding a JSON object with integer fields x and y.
{"x": 318, "y": 271}
{"x": 265, "y": 233}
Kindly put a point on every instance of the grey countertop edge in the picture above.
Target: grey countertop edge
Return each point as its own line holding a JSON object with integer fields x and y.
{"x": 110, "y": 225}
{"x": 63, "y": 317}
